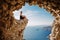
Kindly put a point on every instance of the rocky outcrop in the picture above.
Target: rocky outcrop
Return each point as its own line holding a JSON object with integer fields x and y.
{"x": 15, "y": 32}
{"x": 7, "y": 20}
{"x": 10, "y": 28}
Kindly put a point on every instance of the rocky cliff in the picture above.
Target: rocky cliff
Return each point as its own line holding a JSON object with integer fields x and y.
{"x": 8, "y": 23}
{"x": 15, "y": 32}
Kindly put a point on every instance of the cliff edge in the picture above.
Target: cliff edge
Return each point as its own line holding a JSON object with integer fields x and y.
{"x": 15, "y": 32}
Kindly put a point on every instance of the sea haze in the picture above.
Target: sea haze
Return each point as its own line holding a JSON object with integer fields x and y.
{"x": 37, "y": 33}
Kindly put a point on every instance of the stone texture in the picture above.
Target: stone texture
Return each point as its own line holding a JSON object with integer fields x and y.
{"x": 8, "y": 22}
{"x": 15, "y": 32}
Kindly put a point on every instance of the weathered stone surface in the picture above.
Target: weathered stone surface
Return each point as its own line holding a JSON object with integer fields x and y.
{"x": 15, "y": 32}
{"x": 7, "y": 20}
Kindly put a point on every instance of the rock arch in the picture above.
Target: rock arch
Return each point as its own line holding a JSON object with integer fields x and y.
{"x": 6, "y": 16}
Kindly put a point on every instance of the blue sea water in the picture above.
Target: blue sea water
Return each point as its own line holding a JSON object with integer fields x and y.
{"x": 37, "y": 33}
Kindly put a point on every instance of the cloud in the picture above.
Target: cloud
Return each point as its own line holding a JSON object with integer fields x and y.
{"x": 30, "y": 12}
{"x": 34, "y": 17}
{"x": 16, "y": 15}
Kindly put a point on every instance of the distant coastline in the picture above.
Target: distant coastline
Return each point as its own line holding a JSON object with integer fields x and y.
{"x": 40, "y": 26}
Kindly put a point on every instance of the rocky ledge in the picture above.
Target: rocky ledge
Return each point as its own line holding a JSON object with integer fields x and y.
{"x": 15, "y": 32}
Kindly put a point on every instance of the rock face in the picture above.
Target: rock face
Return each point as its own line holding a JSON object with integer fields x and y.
{"x": 9, "y": 26}
{"x": 15, "y": 32}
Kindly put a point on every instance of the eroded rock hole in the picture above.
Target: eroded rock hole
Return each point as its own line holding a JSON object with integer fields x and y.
{"x": 52, "y": 6}
{"x": 40, "y": 21}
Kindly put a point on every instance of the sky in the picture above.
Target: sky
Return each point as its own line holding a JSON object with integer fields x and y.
{"x": 35, "y": 15}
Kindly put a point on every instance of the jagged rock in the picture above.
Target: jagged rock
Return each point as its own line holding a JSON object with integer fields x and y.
{"x": 8, "y": 23}
{"x": 15, "y": 32}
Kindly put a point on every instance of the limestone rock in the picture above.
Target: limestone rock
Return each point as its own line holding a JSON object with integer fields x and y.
{"x": 15, "y": 32}
{"x": 7, "y": 20}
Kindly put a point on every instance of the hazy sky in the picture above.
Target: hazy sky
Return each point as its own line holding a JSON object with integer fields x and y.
{"x": 35, "y": 15}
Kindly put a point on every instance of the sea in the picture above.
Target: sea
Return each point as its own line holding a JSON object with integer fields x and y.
{"x": 37, "y": 33}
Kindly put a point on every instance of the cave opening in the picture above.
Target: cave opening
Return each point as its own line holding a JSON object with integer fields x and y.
{"x": 39, "y": 18}
{"x": 6, "y": 18}
{"x": 11, "y": 25}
